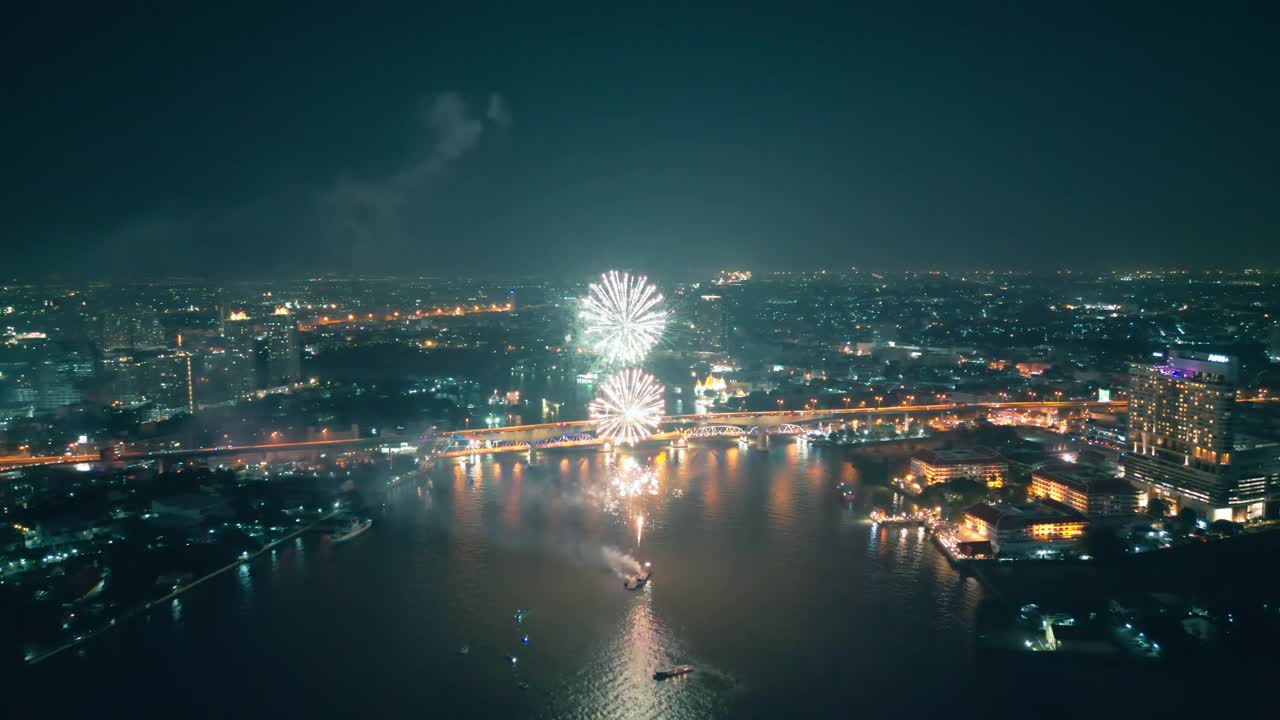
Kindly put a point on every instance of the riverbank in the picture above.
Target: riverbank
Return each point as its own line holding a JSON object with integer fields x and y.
{"x": 1231, "y": 566}
{"x": 147, "y": 606}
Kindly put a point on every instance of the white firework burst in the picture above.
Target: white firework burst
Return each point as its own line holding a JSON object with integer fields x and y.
{"x": 631, "y": 479}
{"x": 624, "y": 317}
{"x": 628, "y": 406}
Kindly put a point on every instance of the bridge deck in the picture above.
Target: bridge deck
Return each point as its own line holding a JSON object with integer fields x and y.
{"x": 543, "y": 431}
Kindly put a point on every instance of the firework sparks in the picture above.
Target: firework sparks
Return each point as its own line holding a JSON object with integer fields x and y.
{"x": 623, "y": 317}
{"x": 628, "y": 407}
{"x": 631, "y": 479}
{"x": 630, "y": 482}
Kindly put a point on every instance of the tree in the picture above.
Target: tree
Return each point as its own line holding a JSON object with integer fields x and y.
{"x": 1159, "y": 507}
{"x": 1103, "y": 544}
{"x": 1011, "y": 492}
{"x": 1185, "y": 522}
{"x": 10, "y": 539}
{"x": 1225, "y": 528}
{"x": 965, "y": 491}
{"x": 952, "y": 494}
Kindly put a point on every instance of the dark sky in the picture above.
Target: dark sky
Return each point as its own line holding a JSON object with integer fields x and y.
{"x": 479, "y": 137}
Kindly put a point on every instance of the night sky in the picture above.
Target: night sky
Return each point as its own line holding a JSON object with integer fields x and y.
{"x": 484, "y": 138}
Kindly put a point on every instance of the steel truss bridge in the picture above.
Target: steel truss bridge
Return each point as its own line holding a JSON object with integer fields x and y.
{"x": 456, "y": 445}
{"x": 711, "y": 431}
{"x": 730, "y": 424}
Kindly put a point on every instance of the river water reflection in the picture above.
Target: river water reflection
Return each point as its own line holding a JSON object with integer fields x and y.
{"x": 780, "y": 593}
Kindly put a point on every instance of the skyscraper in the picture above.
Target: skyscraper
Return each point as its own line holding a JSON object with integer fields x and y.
{"x": 231, "y": 364}
{"x": 159, "y": 381}
{"x": 284, "y": 356}
{"x": 1182, "y": 443}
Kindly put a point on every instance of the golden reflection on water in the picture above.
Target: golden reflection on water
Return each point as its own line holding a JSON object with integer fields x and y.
{"x": 512, "y": 501}
{"x": 735, "y": 491}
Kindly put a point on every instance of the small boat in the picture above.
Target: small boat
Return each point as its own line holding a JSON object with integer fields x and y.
{"x": 675, "y": 672}
{"x": 520, "y": 615}
{"x": 352, "y": 529}
{"x": 635, "y": 582}
{"x": 173, "y": 581}
{"x": 88, "y": 583}
{"x": 464, "y": 649}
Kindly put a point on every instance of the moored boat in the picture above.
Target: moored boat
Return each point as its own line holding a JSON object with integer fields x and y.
{"x": 351, "y": 530}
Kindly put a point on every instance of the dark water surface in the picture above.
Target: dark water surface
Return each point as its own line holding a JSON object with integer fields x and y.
{"x": 784, "y": 597}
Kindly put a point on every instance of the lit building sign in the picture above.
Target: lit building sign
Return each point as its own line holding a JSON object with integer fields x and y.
{"x": 1218, "y": 358}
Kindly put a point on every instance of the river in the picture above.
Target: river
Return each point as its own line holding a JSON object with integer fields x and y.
{"x": 780, "y": 593}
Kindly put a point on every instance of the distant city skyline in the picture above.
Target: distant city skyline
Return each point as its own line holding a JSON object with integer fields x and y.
{"x": 691, "y": 276}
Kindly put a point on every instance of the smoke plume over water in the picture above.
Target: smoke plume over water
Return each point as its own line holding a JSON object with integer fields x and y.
{"x": 622, "y": 564}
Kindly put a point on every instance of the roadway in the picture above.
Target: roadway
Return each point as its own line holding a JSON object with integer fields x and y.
{"x": 784, "y": 415}
{"x": 180, "y": 453}
{"x": 579, "y": 425}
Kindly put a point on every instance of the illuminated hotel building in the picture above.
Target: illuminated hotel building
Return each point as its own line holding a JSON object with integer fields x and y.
{"x": 1027, "y": 526}
{"x": 1086, "y": 490}
{"x": 935, "y": 466}
{"x": 1181, "y": 442}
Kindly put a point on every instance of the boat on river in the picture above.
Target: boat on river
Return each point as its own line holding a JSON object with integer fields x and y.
{"x": 351, "y": 530}
{"x": 675, "y": 672}
{"x": 637, "y": 581}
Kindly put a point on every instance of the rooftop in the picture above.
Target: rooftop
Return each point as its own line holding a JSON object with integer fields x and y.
{"x": 1009, "y": 516}
{"x": 962, "y": 456}
{"x": 1085, "y": 478}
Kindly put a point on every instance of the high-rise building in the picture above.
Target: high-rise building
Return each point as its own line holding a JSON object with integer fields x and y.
{"x": 157, "y": 381}
{"x": 47, "y": 386}
{"x": 1182, "y": 443}
{"x": 283, "y": 354}
{"x": 133, "y": 327}
{"x": 228, "y": 366}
